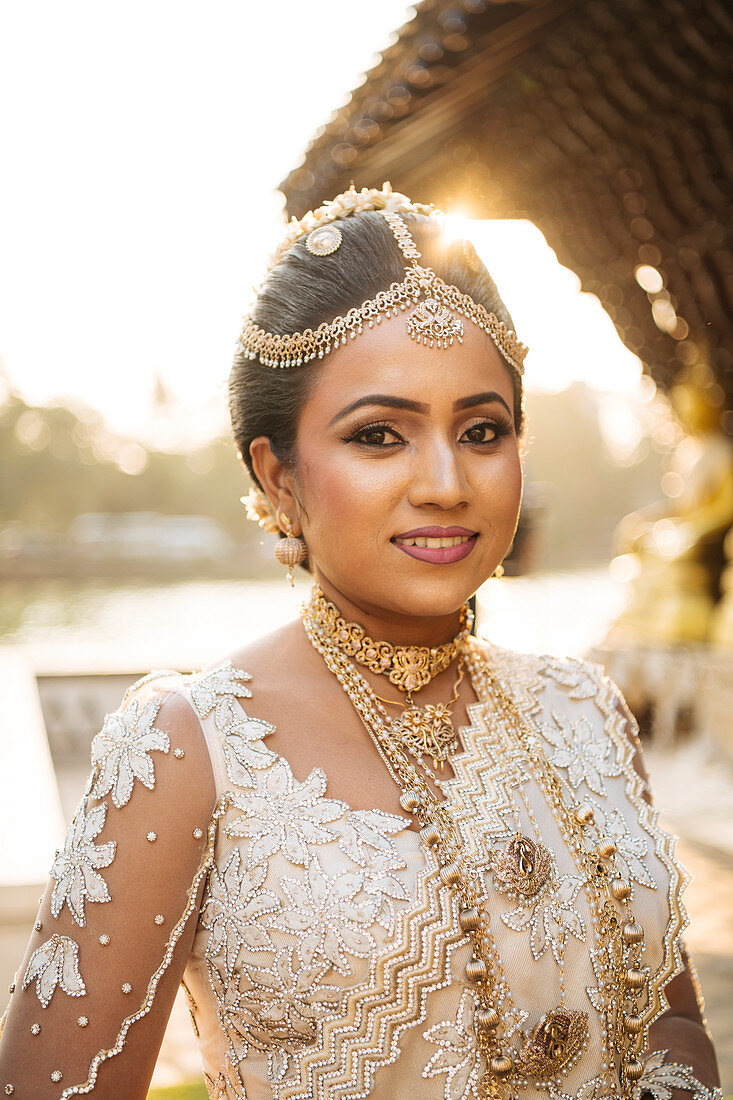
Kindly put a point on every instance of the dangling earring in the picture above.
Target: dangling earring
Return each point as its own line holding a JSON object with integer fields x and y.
{"x": 291, "y": 550}
{"x": 498, "y": 572}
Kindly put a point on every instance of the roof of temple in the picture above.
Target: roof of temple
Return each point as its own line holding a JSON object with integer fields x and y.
{"x": 604, "y": 122}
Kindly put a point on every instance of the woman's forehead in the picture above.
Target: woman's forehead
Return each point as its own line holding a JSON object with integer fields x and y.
{"x": 387, "y": 360}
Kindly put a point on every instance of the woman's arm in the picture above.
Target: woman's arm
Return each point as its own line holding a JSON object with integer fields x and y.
{"x": 118, "y": 916}
{"x": 680, "y": 1031}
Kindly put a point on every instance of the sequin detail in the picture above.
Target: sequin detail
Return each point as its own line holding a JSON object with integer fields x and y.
{"x": 121, "y": 751}
{"x": 76, "y": 867}
{"x": 55, "y": 963}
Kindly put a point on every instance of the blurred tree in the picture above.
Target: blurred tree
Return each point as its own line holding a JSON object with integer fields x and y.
{"x": 59, "y": 462}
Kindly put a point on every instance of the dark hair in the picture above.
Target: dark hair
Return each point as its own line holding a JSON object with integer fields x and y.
{"x": 303, "y": 291}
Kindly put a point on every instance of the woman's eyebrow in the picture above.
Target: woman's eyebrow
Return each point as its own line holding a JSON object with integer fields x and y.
{"x": 386, "y": 401}
{"x": 480, "y": 399}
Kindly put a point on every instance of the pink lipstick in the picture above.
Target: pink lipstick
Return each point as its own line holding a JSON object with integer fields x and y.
{"x": 437, "y": 545}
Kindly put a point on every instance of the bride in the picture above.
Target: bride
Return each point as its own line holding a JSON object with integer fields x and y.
{"x": 384, "y": 859}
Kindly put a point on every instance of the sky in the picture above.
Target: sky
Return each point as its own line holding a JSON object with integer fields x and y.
{"x": 142, "y": 144}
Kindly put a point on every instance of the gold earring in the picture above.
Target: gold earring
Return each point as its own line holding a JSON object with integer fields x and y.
{"x": 291, "y": 550}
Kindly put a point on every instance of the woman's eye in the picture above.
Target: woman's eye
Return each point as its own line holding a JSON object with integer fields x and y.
{"x": 485, "y": 432}
{"x": 376, "y": 435}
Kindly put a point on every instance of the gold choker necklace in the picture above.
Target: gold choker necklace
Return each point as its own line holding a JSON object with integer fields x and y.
{"x": 408, "y": 667}
{"x": 426, "y": 732}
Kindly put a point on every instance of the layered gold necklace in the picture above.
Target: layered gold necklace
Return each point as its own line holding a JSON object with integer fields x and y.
{"x": 522, "y": 868}
{"x": 426, "y": 731}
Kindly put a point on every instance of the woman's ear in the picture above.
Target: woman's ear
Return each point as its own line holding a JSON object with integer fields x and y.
{"x": 276, "y": 479}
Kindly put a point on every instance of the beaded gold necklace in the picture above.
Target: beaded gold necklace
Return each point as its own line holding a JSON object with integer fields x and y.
{"x": 426, "y": 731}
{"x": 556, "y": 1042}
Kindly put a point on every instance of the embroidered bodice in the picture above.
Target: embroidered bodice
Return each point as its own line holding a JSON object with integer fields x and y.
{"x": 323, "y": 956}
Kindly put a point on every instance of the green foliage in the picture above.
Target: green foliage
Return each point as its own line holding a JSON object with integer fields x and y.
{"x": 587, "y": 493}
{"x": 190, "y": 1091}
{"x": 59, "y": 462}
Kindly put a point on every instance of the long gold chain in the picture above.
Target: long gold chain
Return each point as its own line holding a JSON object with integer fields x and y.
{"x": 597, "y": 855}
{"x": 557, "y": 1041}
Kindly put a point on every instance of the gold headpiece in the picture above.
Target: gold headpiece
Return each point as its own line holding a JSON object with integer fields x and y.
{"x": 433, "y": 322}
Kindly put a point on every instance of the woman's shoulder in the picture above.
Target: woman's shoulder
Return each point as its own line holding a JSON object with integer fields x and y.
{"x": 576, "y": 677}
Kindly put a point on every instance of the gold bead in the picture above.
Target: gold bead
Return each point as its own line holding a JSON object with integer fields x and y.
{"x": 290, "y": 552}
{"x": 476, "y": 970}
{"x": 632, "y": 1024}
{"x": 409, "y": 800}
{"x": 487, "y": 1018}
{"x": 584, "y": 814}
{"x": 606, "y": 848}
{"x": 632, "y": 932}
{"x": 450, "y": 874}
{"x": 620, "y": 889}
{"x": 635, "y": 979}
{"x": 430, "y": 835}
{"x": 469, "y": 919}
{"x": 501, "y": 1065}
{"x": 634, "y": 1069}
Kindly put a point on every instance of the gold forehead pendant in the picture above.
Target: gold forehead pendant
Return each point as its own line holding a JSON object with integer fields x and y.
{"x": 437, "y": 310}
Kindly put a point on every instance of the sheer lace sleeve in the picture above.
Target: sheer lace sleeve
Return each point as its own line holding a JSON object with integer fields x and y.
{"x": 118, "y": 916}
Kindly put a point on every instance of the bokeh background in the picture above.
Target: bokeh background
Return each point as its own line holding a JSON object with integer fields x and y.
{"x": 143, "y": 148}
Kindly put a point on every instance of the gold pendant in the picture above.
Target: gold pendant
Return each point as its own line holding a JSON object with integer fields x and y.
{"x": 427, "y": 731}
{"x": 490, "y": 1088}
{"x": 523, "y": 867}
{"x": 433, "y": 323}
{"x": 411, "y": 668}
{"x": 557, "y": 1039}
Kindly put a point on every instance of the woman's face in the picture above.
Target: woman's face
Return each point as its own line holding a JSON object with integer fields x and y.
{"x": 407, "y": 471}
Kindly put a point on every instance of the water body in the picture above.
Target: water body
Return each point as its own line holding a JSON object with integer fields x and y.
{"x": 104, "y": 627}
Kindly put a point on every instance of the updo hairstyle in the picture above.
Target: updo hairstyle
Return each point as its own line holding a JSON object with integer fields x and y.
{"x": 302, "y": 291}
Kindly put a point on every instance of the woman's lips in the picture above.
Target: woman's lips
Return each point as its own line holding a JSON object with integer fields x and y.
{"x": 437, "y": 545}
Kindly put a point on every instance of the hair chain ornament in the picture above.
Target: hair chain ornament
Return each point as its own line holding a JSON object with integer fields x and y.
{"x": 432, "y": 323}
{"x": 556, "y": 1042}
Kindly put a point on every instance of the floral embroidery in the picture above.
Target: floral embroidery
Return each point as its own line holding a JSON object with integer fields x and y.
{"x": 587, "y": 756}
{"x": 551, "y": 917}
{"x": 458, "y": 1055}
{"x": 331, "y": 915}
{"x": 121, "y": 750}
{"x": 631, "y": 850}
{"x": 659, "y": 1080}
{"x": 55, "y": 963}
{"x": 388, "y": 889}
{"x": 577, "y": 676}
{"x": 591, "y": 1090}
{"x": 76, "y": 866}
{"x": 287, "y": 1000}
{"x": 287, "y": 816}
{"x": 217, "y": 690}
{"x": 234, "y": 902}
{"x": 365, "y": 829}
{"x": 244, "y": 751}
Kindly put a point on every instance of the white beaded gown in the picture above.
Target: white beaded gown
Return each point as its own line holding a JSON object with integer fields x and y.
{"x": 323, "y": 956}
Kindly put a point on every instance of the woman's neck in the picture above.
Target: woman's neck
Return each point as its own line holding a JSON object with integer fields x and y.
{"x": 397, "y": 628}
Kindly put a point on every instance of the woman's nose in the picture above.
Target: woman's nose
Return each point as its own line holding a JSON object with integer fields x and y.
{"x": 437, "y": 478}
